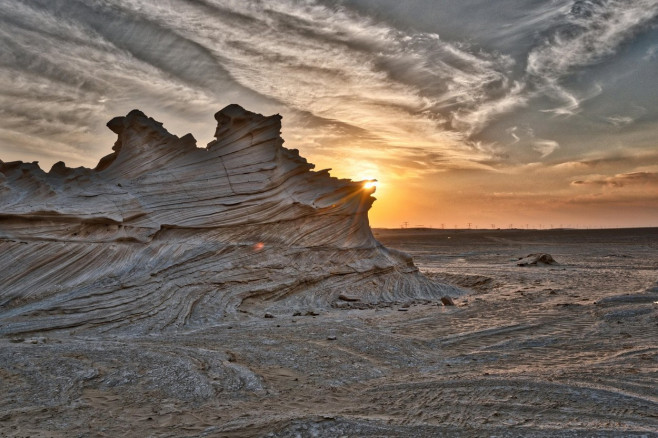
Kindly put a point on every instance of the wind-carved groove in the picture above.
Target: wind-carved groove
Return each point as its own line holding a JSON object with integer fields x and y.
{"x": 185, "y": 236}
{"x": 228, "y": 177}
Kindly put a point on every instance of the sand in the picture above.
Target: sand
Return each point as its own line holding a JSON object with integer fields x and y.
{"x": 556, "y": 350}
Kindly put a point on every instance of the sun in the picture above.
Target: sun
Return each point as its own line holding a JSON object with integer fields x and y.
{"x": 370, "y": 184}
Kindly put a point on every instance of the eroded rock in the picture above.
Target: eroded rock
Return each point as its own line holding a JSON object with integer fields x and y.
{"x": 536, "y": 260}
{"x": 447, "y": 301}
{"x": 163, "y": 234}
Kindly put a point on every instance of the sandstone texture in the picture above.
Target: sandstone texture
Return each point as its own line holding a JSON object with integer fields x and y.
{"x": 164, "y": 235}
{"x": 561, "y": 351}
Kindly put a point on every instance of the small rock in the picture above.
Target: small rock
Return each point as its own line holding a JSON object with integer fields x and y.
{"x": 347, "y": 298}
{"x": 447, "y": 301}
{"x": 311, "y": 313}
{"x": 403, "y": 309}
{"x": 536, "y": 259}
{"x": 268, "y": 315}
{"x": 331, "y": 337}
{"x": 297, "y": 313}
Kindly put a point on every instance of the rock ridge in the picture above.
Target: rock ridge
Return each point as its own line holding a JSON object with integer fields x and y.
{"x": 163, "y": 234}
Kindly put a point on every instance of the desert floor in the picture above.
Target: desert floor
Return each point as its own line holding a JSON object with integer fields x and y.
{"x": 558, "y": 350}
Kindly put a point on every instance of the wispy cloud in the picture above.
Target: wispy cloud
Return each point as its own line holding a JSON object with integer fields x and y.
{"x": 472, "y": 121}
{"x": 336, "y": 64}
{"x": 592, "y": 30}
{"x": 349, "y": 85}
{"x": 627, "y": 159}
{"x": 651, "y": 53}
{"x": 62, "y": 78}
{"x": 545, "y": 147}
{"x": 619, "y": 121}
{"x": 512, "y": 132}
{"x": 86, "y": 60}
{"x": 647, "y": 179}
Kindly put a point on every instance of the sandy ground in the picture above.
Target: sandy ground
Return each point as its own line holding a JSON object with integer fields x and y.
{"x": 559, "y": 350}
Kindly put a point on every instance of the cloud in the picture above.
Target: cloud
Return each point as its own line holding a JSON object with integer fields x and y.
{"x": 83, "y": 61}
{"x": 619, "y": 121}
{"x": 591, "y": 31}
{"x": 545, "y": 147}
{"x": 632, "y": 159}
{"x": 622, "y": 180}
{"x": 473, "y": 121}
{"x": 651, "y": 54}
{"x": 336, "y": 64}
{"x": 512, "y": 132}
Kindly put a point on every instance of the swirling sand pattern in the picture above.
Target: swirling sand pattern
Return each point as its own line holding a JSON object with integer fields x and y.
{"x": 564, "y": 350}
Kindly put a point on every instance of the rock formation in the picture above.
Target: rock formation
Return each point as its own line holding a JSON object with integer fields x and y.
{"x": 538, "y": 259}
{"x": 163, "y": 235}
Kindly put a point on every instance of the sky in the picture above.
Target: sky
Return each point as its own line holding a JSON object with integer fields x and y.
{"x": 523, "y": 113}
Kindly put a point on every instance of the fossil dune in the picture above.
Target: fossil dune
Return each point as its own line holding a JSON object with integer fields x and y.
{"x": 163, "y": 234}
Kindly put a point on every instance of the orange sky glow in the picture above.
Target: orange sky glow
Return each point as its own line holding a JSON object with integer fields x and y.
{"x": 494, "y": 114}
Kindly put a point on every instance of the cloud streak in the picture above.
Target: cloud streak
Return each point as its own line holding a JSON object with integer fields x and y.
{"x": 545, "y": 147}
{"x": 591, "y": 31}
{"x": 646, "y": 179}
{"x": 328, "y": 62}
{"x": 402, "y": 86}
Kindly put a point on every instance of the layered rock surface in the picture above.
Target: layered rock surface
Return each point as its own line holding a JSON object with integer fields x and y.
{"x": 163, "y": 234}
